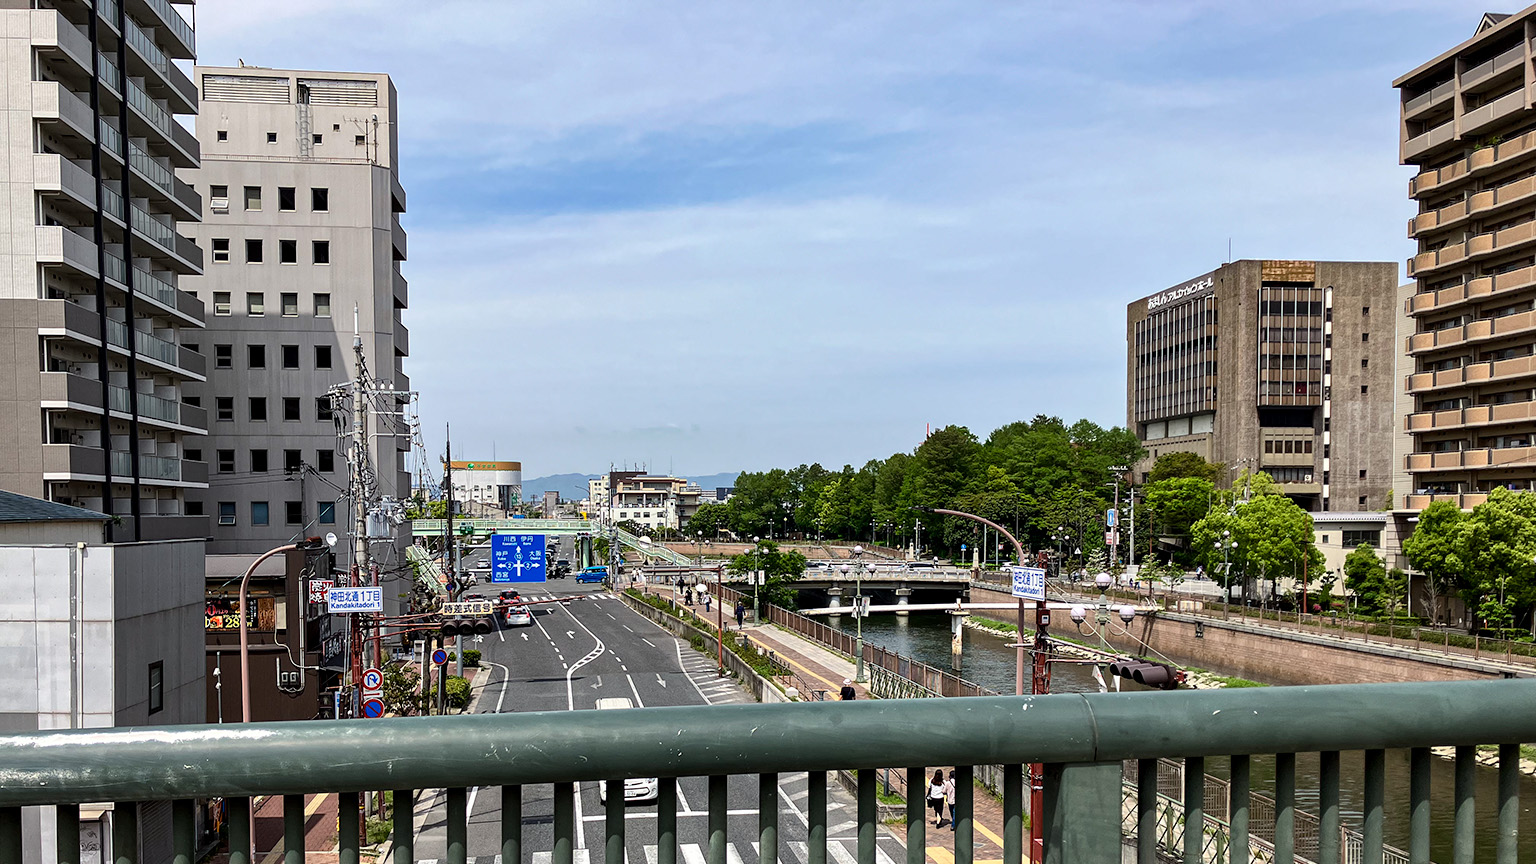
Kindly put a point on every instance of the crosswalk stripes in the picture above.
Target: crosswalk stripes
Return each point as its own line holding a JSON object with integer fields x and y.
{"x": 792, "y": 852}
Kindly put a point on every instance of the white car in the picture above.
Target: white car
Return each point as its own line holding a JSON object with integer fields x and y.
{"x": 519, "y": 616}
{"x": 635, "y": 788}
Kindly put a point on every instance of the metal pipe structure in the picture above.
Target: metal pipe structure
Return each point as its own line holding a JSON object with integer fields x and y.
{"x": 245, "y": 647}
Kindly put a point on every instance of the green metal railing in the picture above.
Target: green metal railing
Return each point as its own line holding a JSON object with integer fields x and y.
{"x": 1081, "y": 739}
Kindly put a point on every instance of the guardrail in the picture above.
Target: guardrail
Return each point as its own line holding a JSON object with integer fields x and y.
{"x": 1081, "y": 739}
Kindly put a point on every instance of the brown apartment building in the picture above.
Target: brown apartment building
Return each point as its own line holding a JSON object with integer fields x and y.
{"x": 1280, "y": 366}
{"x": 1469, "y": 128}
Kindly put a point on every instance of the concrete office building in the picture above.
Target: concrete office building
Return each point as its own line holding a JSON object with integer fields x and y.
{"x": 97, "y": 341}
{"x": 1468, "y": 126}
{"x": 303, "y": 227}
{"x": 1284, "y": 367}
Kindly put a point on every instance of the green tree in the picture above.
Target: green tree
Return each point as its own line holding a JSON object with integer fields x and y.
{"x": 1273, "y": 535}
{"x": 1365, "y": 574}
{"x": 710, "y": 519}
{"x": 1434, "y": 549}
{"x": 1172, "y": 506}
{"x": 781, "y": 569}
{"x": 1177, "y": 464}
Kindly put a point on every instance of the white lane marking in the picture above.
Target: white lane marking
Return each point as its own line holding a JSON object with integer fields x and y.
{"x": 639, "y": 703}
{"x": 610, "y": 615}
{"x": 578, "y": 856}
{"x": 625, "y": 626}
{"x": 506, "y": 676}
{"x": 502, "y": 632}
{"x": 684, "y": 669}
{"x": 840, "y": 853}
{"x": 650, "y": 853}
{"x": 660, "y": 680}
{"x": 691, "y": 854}
{"x": 731, "y": 855}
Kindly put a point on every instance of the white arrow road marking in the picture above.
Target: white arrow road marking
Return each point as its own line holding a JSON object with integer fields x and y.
{"x": 525, "y": 637}
{"x": 659, "y": 681}
{"x": 570, "y": 634}
{"x": 599, "y": 682}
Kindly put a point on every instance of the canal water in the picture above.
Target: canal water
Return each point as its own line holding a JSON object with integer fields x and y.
{"x": 987, "y": 661}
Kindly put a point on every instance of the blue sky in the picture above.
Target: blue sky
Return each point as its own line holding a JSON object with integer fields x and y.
{"x": 719, "y": 236}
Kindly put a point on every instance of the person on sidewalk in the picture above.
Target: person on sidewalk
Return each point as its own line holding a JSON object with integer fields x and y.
{"x": 847, "y": 694}
{"x": 949, "y": 797}
{"x": 741, "y": 615}
{"x": 706, "y": 603}
{"x": 936, "y": 797}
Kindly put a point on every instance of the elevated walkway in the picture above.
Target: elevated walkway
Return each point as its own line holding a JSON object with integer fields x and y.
{"x": 550, "y": 528}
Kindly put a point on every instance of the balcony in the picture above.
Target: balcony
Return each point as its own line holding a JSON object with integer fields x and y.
{"x": 1482, "y": 286}
{"x": 181, "y": 40}
{"x": 64, "y": 390}
{"x": 1422, "y": 103}
{"x": 402, "y": 339}
{"x": 1478, "y": 415}
{"x": 61, "y": 246}
{"x": 1099, "y": 777}
{"x": 51, "y": 103}
{"x": 401, "y": 289}
{"x": 1464, "y": 502}
{"x": 182, "y": 93}
{"x": 397, "y": 238}
{"x": 1488, "y": 70}
{"x": 63, "y": 318}
{"x": 70, "y": 462}
{"x": 1418, "y": 145}
{"x": 194, "y": 417}
{"x": 194, "y": 472}
{"x": 153, "y": 121}
{"x": 1477, "y": 162}
{"x": 1473, "y": 373}
{"x": 164, "y": 186}
{"x": 1477, "y": 458}
{"x": 178, "y": 250}
{"x": 1481, "y": 329}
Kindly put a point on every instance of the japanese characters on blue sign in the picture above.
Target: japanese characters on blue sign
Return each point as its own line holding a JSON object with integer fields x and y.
{"x": 517, "y": 558}
{"x": 1029, "y": 583}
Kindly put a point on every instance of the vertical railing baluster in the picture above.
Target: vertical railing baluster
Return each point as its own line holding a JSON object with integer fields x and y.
{"x": 66, "y": 833}
{"x": 1375, "y": 804}
{"x": 666, "y": 821}
{"x": 511, "y": 824}
{"x": 293, "y": 829}
{"x": 1194, "y": 810}
{"x": 816, "y": 817}
{"x": 717, "y": 818}
{"x": 125, "y": 833}
{"x": 348, "y": 842}
{"x": 183, "y": 830}
{"x": 1285, "y": 808}
{"x": 457, "y": 829}
{"x": 1464, "y": 843}
{"x": 1237, "y": 809}
{"x": 565, "y": 824}
{"x": 1418, "y": 798}
{"x": 965, "y": 813}
{"x": 1146, "y": 811}
{"x": 613, "y": 823}
{"x": 238, "y": 817}
{"x": 917, "y": 817}
{"x": 1329, "y": 837}
{"x": 768, "y": 819}
{"x": 10, "y": 835}
{"x": 403, "y": 831}
{"x": 1013, "y": 814}
{"x": 1509, "y": 803}
{"x": 869, "y": 810}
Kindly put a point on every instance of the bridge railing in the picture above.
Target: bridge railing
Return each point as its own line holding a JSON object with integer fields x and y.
{"x": 1081, "y": 739}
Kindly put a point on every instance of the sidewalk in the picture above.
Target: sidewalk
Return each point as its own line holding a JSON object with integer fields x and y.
{"x": 822, "y": 667}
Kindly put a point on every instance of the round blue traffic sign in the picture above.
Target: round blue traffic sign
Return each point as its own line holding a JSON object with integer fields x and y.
{"x": 439, "y": 657}
{"x": 373, "y": 708}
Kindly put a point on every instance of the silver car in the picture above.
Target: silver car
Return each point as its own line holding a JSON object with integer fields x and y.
{"x": 519, "y": 616}
{"x": 635, "y": 788}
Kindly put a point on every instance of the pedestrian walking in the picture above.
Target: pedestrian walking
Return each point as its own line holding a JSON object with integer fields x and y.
{"x": 936, "y": 797}
{"x": 706, "y": 603}
{"x": 741, "y": 615}
{"x": 847, "y": 694}
{"x": 949, "y": 796}
{"x": 688, "y": 596}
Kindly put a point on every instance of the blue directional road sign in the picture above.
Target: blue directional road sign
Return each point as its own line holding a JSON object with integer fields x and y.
{"x": 517, "y": 558}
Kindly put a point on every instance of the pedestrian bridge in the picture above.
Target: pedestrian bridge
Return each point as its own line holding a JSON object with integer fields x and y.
{"x": 1098, "y": 780}
{"x": 549, "y": 527}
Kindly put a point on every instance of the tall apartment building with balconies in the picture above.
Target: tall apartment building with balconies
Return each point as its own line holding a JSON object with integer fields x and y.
{"x": 300, "y": 170}
{"x": 1284, "y": 367}
{"x": 1469, "y": 128}
{"x": 99, "y": 341}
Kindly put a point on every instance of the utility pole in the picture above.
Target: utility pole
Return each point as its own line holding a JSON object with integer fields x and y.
{"x": 448, "y": 512}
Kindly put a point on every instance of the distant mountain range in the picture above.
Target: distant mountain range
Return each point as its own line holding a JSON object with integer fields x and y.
{"x": 573, "y": 487}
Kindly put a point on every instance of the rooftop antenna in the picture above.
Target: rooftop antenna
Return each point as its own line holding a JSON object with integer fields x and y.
{"x": 1229, "y": 250}
{"x": 357, "y": 335}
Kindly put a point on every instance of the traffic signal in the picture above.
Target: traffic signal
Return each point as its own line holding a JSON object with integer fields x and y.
{"x": 1148, "y": 673}
{"x": 455, "y": 625}
{"x": 482, "y": 624}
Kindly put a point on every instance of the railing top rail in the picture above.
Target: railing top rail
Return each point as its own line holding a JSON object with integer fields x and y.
{"x": 152, "y": 763}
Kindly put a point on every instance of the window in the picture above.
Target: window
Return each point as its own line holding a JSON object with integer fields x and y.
{"x": 259, "y": 461}
{"x": 290, "y": 304}
{"x": 223, "y": 134}
{"x": 322, "y": 356}
{"x": 1365, "y": 337}
{"x": 253, "y": 197}
{"x": 286, "y": 196}
{"x": 287, "y": 251}
{"x": 226, "y": 512}
{"x": 224, "y": 408}
{"x": 271, "y": 137}
{"x": 1353, "y": 539}
{"x": 322, "y": 251}
{"x": 295, "y": 514}
{"x": 193, "y": 454}
{"x": 318, "y": 138}
{"x": 223, "y": 356}
{"x": 290, "y": 356}
{"x": 1364, "y": 389}
{"x": 221, "y": 250}
{"x": 256, "y": 356}
{"x": 291, "y": 409}
{"x": 157, "y": 687}
{"x": 359, "y": 140}
{"x": 1325, "y": 539}
{"x": 293, "y": 461}
{"x": 327, "y": 512}
{"x": 322, "y": 306}
{"x": 218, "y": 201}
{"x": 323, "y": 409}
{"x": 1362, "y": 473}
{"x": 258, "y": 406}
{"x": 1362, "y": 501}
{"x": 226, "y": 461}
{"x": 194, "y": 508}
{"x": 1365, "y": 363}
{"x": 258, "y": 513}
{"x": 320, "y": 200}
{"x": 325, "y": 461}
{"x": 1365, "y": 310}
{"x": 255, "y": 303}
{"x": 221, "y": 302}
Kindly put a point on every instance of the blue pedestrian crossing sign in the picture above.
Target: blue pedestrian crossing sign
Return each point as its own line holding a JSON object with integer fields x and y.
{"x": 517, "y": 558}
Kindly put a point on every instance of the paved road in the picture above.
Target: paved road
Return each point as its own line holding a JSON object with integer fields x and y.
{"x": 596, "y": 647}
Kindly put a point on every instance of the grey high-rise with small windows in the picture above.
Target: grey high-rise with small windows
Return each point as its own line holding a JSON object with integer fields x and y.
{"x": 302, "y": 227}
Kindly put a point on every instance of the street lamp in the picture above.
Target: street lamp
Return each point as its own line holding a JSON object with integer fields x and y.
{"x": 858, "y": 616}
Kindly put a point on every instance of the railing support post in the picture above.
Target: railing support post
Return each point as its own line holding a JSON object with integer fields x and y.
{"x": 1082, "y": 812}
{"x": 10, "y": 835}
{"x": 183, "y": 831}
{"x": 67, "y": 833}
{"x": 239, "y": 830}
